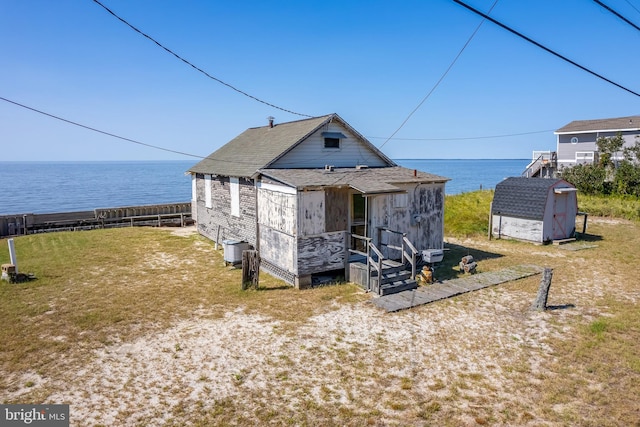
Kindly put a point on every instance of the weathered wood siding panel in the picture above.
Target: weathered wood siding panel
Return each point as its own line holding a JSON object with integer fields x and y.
{"x": 278, "y": 248}
{"x": 277, "y": 210}
{"x": 337, "y": 209}
{"x": 241, "y": 227}
{"x": 311, "y": 208}
{"x": 517, "y": 228}
{"x": 317, "y": 254}
{"x": 422, "y": 218}
{"x": 312, "y": 154}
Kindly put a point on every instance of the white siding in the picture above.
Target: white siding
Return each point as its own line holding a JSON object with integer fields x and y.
{"x": 517, "y": 228}
{"x": 277, "y": 210}
{"x": 311, "y": 213}
{"x": 422, "y": 217}
{"x": 278, "y": 248}
{"x": 312, "y": 154}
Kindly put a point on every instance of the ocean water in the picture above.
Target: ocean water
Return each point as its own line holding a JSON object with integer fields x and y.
{"x": 468, "y": 174}
{"x": 43, "y": 187}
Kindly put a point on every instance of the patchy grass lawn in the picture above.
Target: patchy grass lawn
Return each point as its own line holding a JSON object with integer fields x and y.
{"x": 141, "y": 326}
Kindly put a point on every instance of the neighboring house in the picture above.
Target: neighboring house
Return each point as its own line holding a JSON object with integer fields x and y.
{"x": 298, "y": 192}
{"x": 534, "y": 209}
{"x": 577, "y": 140}
{"x": 576, "y": 144}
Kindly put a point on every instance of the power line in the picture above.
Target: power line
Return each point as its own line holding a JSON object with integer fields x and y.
{"x": 243, "y": 162}
{"x": 631, "y": 4}
{"x": 564, "y": 58}
{"x": 121, "y": 137}
{"x": 98, "y": 130}
{"x": 617, "y": 14}
{"x": 463, "y": 138}
{"x": 439, "y": 80}
{"x": 195, "y": 67}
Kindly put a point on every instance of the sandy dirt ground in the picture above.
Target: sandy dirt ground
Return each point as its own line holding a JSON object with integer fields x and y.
{"x": 474, "y": 354}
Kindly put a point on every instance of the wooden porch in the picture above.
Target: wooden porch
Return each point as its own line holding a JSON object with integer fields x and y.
{"x": 380, "y": 274}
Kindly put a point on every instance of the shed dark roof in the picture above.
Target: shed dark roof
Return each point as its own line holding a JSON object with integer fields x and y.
{"x": 257, "y": 148}
{"x": 614, "y": 124}
{"x": 367, "y": 181}
{"x": 523, "y": 197}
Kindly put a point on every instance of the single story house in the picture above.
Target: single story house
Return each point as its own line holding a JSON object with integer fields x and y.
{"x": 537, "y": 210}
{"x": 576, "y": 141}
{"x": 302, "y": 192}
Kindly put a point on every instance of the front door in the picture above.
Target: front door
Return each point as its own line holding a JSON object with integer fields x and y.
{"x": 358, "y": 223}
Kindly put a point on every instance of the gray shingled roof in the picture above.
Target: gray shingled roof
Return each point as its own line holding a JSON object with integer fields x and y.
{"x": 367, "y": 181}
{"x": 522, "y": 197}
{"x": 257, "y": 148}
{"x": 615, "y": 124}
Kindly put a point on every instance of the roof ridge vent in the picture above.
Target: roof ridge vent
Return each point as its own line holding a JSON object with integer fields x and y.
{"x": 329, "y": 168}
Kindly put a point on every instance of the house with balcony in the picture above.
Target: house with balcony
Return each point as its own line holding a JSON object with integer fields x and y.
{"x": 576, "y": 144}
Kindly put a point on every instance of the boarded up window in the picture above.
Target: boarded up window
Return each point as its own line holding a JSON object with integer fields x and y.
{"x": 207, "y": 191}
{"x": 400, "y": 200}
{"x": 234, "y": 188}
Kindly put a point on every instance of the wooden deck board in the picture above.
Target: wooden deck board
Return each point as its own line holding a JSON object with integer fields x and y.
{"x": 438, "y": 291}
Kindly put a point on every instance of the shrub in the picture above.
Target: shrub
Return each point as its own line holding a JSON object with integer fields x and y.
{"x": 588, "y": 179}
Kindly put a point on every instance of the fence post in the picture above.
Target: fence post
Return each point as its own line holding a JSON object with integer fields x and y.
{"x": 540, "y": 304}
{"x": 250, "y": 269}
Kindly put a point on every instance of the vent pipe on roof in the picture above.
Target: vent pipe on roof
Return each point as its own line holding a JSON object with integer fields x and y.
{"x": 271, "y": 119}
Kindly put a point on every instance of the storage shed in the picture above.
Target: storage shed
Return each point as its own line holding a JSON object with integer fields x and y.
{"x": 538, "y": 210}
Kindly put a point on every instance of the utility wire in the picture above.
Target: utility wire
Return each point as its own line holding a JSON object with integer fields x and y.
{"x": 239, "y": 161}
{"x": 195, "y": 67}
{"x": 98, "y": 130}
{"x": 631, "y": 4}
{"x": 598, "y": 2}
{"x": 564, "y": 58}
{"x": 462, "y": 138}
{"x": 439, "y": 80}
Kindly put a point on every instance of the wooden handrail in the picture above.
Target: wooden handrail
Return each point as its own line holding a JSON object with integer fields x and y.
{"x": 412, "y": 258}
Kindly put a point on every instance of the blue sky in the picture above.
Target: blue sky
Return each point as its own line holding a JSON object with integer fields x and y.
{"x": 371, "y": 62}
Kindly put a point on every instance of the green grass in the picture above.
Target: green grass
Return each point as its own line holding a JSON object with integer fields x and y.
{"x": 610, "y": 206}
{"x": 106, "y": 287}
{"x": 467, "y": 214}
{"x": 132, "y": 280}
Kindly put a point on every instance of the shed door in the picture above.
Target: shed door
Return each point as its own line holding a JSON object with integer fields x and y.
{"x": 560, "y": 216}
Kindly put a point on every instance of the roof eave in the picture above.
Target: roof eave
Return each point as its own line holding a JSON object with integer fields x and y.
{"x": 596, "y": 131}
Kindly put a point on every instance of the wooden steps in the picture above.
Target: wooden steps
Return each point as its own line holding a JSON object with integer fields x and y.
{"x": 395, "y": 278}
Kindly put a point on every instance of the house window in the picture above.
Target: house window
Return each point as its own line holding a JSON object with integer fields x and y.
{"x": 331, "y": 143}
{"x": 332, "y": 139}
{"x": 234, "y": 188}
{"x": 207, "y": 192}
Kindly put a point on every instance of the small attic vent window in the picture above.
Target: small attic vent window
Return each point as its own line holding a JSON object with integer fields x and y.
{"x": 332, "y": 139}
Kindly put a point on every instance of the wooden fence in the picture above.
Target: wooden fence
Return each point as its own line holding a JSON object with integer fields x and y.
{"x": 157, "y": 215}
